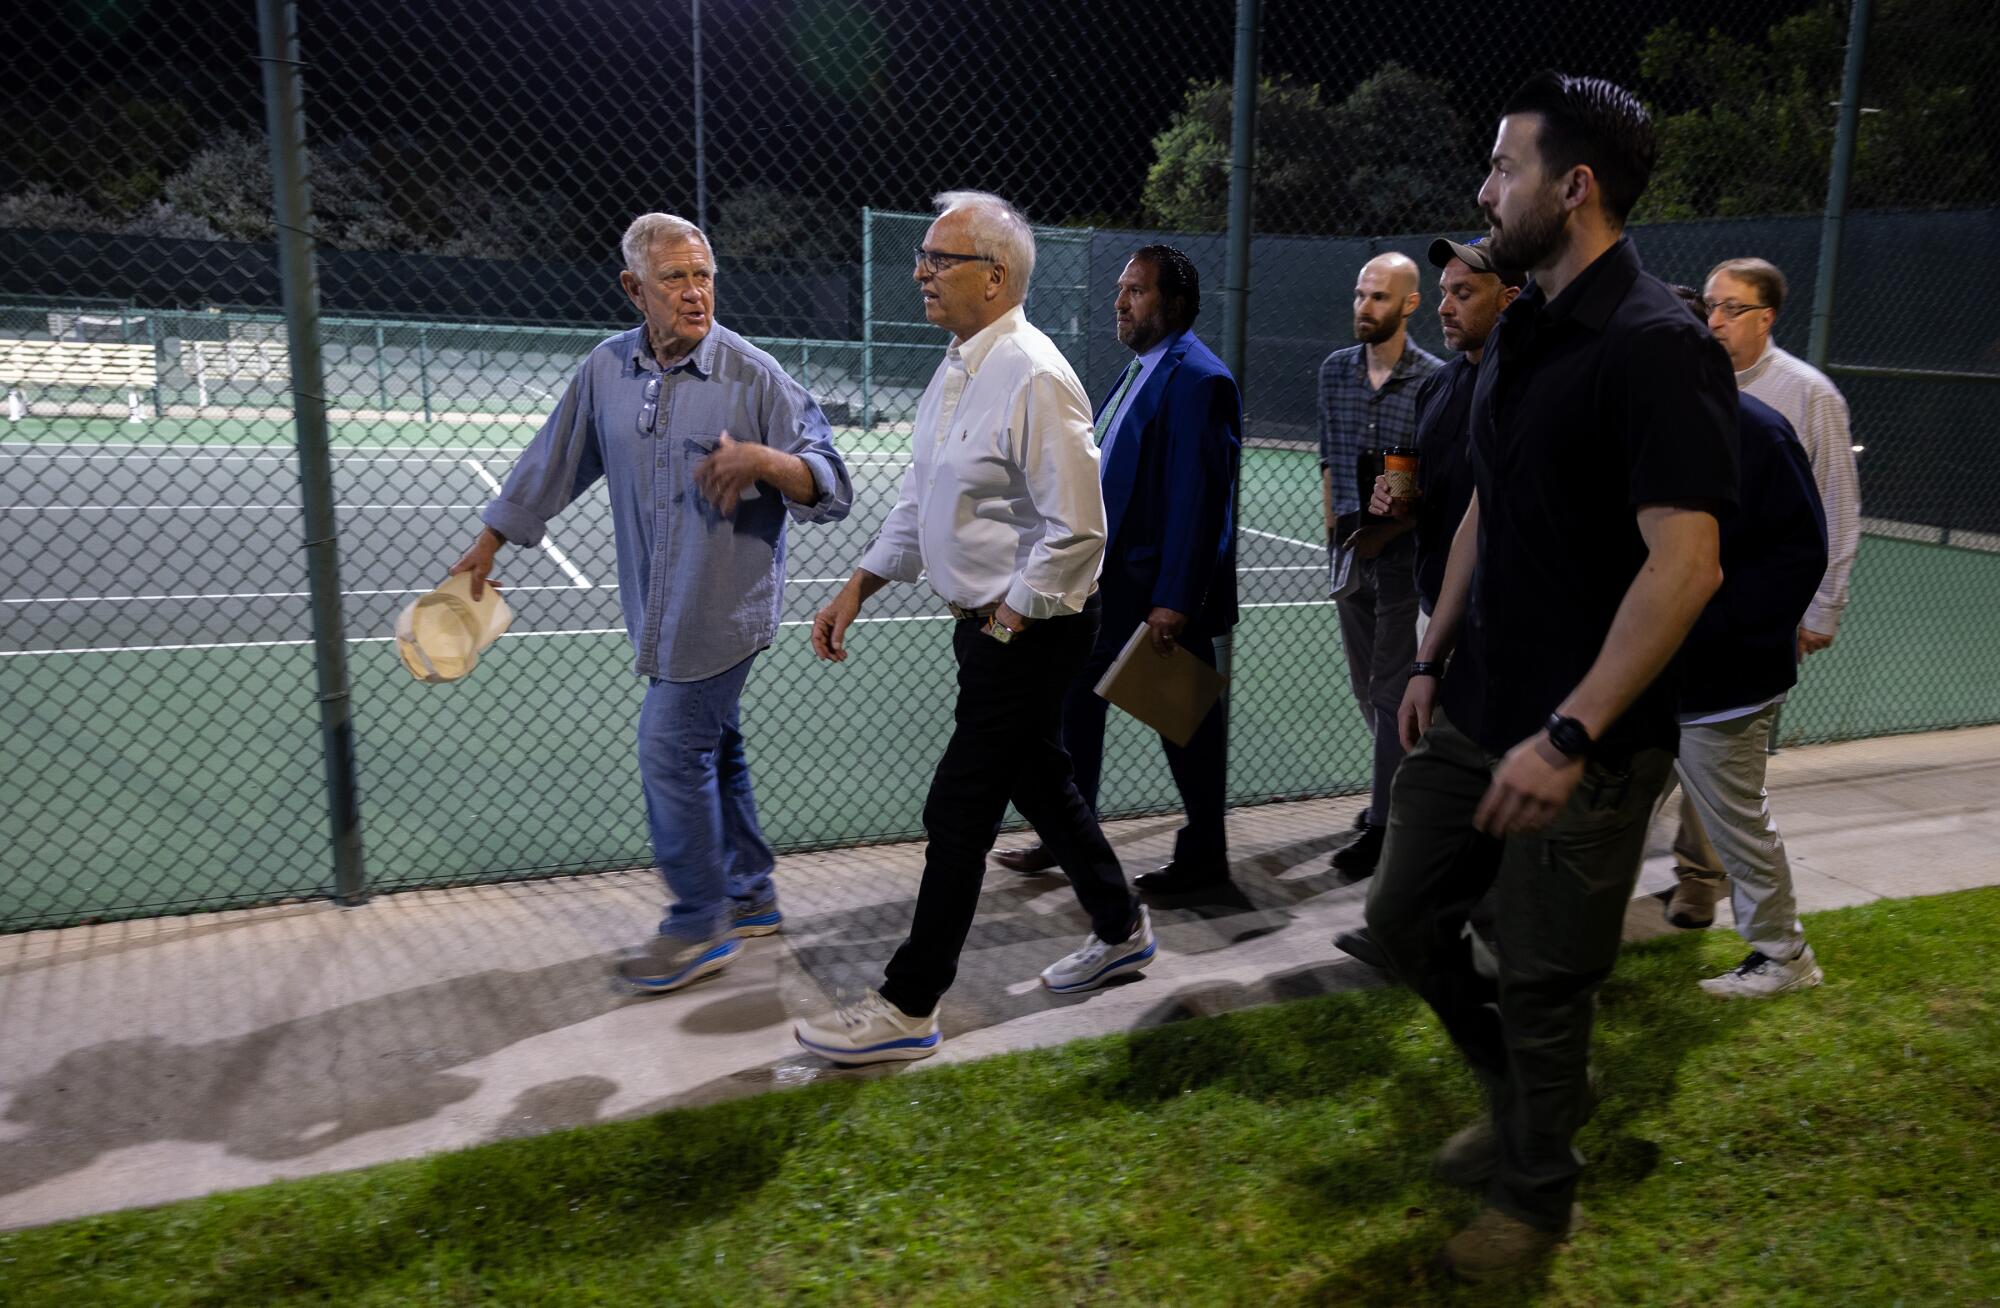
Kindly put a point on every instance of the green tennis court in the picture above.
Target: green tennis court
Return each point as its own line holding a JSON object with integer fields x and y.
{"x": 161, "y": 724}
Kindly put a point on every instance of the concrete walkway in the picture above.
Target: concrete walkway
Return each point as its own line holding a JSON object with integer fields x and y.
{"x": 155, "y": 1060}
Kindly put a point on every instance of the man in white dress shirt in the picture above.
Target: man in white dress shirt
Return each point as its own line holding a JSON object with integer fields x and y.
{"x": 1743, "y": 298}
{"x": 1001, "y": 508}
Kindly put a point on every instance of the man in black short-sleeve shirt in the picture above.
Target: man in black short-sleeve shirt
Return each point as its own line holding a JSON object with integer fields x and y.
{"x": 1603, "y": 451}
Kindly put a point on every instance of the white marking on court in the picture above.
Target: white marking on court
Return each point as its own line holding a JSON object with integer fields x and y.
{"x": 239, "y": 458}
{"x": 245, "y": 594}
{"x": 548, "y": 546}
{"x": 221, "y": 508}
{"x": 1289, "y": 540}
{"x": 377, "y": 640}
{"x": 237, "y": 445}
{"x": 1287, "y": 604}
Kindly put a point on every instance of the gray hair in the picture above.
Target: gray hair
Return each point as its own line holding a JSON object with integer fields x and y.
{"x": 647, "y": 228}
{"x": 998, "y": 232}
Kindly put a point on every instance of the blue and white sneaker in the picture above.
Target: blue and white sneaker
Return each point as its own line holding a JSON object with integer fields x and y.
{"x": 664, "y": 964}
{"x": 871, "y": 1030}
{"x": 1097, "y": 962}
{"x": 759, "y": 919}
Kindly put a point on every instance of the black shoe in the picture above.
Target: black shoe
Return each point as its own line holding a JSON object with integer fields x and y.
{"x": 1028, "y": 861}
{"x": 1180, "y": 878}
{"x": 1356, "y": 858}
{"x": 1364, "y": 819}
{"x": 1359, "y": 944}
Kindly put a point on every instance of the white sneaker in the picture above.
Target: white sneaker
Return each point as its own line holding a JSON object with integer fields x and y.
{"x": 1097, "y": 962}
{"x": 1758, "y": 977}
{"x": 870, "y": 1030}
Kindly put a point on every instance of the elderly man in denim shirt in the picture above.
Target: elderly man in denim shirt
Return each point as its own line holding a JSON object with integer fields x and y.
{"x": 704, "y": 445}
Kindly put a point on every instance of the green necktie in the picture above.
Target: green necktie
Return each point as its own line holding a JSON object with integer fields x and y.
{"x": 1111, "y": 410}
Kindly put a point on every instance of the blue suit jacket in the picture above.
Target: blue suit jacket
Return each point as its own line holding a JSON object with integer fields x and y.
{"x": 1170, "y": 489}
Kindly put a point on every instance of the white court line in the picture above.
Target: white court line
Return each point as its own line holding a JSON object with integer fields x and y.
{"x": 861, "y": 461}
{"x": 548, "y": 546}
{"x": 1272, "y": 535}
{"x": 218, "y": 508}
{"x": 239, "y": 458}
{"x": 228, "y": 445}
{"x": 245, "y": 594}
{"x": 377, "y": 640}
{"x": 513, "y": 635}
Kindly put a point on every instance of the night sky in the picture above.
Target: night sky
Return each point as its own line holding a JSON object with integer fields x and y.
{"x": 878, "y": 103}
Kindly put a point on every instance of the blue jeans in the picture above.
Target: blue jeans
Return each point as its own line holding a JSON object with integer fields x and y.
{"x": 699, "y": 809}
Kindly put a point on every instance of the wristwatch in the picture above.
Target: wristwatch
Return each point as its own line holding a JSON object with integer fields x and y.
{"x": 1568, "y": 736}
{"x": 999, "y": 630}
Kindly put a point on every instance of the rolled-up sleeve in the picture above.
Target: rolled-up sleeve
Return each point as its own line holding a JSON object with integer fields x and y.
{"x": 1059, "y": 463}
{"x": 796, "y": 425}
{"x": 560, "y": 463}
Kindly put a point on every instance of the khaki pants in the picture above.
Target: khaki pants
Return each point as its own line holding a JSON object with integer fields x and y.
{"x": 1726, "y": 829}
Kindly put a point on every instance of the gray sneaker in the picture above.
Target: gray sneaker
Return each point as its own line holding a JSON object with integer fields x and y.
{"x": 1097, "y": 962}
{"x": 759, "y": 919}
{"x": 664, "y": 964}
{"x": 1758, "y": 977}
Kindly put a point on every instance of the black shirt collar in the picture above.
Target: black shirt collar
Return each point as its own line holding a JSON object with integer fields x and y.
{"x": 1598, "y": 290}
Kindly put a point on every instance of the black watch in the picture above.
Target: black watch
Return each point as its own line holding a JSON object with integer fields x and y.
{"x": 1568, "y": 736}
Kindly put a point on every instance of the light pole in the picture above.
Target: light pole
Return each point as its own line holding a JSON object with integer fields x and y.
{"x": 700, "y": 143}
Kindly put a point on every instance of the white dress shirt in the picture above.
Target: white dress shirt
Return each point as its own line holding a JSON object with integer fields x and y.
{"x": 1818, "y": 413}
{"x": 1001, "y": 500}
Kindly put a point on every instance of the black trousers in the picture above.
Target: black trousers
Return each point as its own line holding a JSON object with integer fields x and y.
{"x": 1558, "y": 900}
{"x": 1199, "y": 769}
{"x": 1006, "y": 744}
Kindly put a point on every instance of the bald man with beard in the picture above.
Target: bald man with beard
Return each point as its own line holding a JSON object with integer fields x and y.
{"x": 1368, "y": 403}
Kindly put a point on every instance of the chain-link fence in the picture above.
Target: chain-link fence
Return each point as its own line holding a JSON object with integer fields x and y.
{"x": 472, "y": 167}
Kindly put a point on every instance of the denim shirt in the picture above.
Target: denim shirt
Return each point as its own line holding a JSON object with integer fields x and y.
{"x": 700, "y": 592}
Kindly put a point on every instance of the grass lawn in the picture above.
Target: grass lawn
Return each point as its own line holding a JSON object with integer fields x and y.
{"x": 1836, "y": 1148}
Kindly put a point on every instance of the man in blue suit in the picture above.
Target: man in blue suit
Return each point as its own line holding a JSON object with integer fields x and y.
{"x": 1170, "y": 435}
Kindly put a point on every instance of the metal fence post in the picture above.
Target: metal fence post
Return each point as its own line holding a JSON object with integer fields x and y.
{"x": 1236, "y": 278}
{"x": 867, "y": 319}
{"x": 1845, "y": 127}
{"x": 277, "y": 22}
{"x": 381, "y": 369}
{"x": 424, "y": 369}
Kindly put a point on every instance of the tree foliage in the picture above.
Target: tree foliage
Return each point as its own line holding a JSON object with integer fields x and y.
{"x": 1385, "y": 158}
{"x": 756, "y": 221}
{"x": 1757, "y": 136}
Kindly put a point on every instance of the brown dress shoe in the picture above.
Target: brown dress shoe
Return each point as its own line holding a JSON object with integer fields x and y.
{"x": 1028, "y": 860}
{"x": 1496, "y": 1245}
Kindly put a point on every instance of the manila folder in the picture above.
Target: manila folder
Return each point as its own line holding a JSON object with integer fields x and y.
{"x": 1171, "y": 693}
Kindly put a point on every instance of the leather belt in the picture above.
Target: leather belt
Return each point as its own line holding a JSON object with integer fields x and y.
{"x": 962, "y": 613}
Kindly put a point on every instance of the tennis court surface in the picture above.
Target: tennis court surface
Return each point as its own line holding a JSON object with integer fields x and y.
{"x": 158, "y": 624}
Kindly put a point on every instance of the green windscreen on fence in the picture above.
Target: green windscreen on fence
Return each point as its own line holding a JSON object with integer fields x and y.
{"x": 159, "y": 723}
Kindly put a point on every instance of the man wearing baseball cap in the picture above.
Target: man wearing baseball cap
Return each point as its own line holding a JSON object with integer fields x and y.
{"x": 1471, "y": 294}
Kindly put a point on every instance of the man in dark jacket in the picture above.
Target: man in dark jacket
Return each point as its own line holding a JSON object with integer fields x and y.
{"x": 1171, "y": 435}
{"x": 1739, "y": 662}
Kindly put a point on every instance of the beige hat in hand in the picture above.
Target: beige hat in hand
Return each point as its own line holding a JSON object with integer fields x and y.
{"x": 442, "y": 635}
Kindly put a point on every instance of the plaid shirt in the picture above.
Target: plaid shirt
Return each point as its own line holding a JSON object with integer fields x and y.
{"x": 1353, "y": 416}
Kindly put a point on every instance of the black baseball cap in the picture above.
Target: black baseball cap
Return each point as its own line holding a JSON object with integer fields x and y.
{"x": 1474, "y": 255}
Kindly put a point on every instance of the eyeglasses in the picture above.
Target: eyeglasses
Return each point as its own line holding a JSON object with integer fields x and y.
{"x": 1730, "y": 308}
{"x": 649, "y": 410}
{"x": 937, "y": 261}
